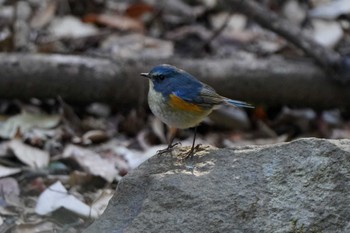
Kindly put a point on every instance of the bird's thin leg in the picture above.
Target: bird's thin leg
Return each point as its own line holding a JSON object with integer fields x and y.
{"x": 172, "y": 134}
{"x": 193, "y": 148}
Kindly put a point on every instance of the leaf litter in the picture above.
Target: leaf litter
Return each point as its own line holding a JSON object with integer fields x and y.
{"x": 27, "y": 121}
{"x": 91, "y": 162}
{"x": 78, "y": 156}
{"x": 31, "y": 156}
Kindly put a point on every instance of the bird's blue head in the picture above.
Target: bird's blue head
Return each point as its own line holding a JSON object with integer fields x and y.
{"x": 169, "y": 79}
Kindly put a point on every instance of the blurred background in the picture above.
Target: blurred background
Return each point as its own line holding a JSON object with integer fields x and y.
{"x": 74, "y": 117}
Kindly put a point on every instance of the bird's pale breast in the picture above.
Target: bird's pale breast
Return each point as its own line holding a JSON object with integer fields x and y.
{"x": 174, "y": 111}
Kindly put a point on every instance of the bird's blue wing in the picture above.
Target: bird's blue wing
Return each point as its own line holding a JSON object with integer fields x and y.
{"x": 201, "y": 94}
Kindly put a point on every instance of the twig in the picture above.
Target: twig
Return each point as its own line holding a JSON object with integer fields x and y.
{"x": 219, "y": 30}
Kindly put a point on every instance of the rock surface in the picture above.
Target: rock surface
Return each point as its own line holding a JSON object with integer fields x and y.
{"x": 302, "y": 186}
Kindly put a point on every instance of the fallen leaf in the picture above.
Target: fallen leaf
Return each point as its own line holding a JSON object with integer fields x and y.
{"x": 185, "y": 32}
{"x": 133, "y": 157}
{"x": 94, "y": 136}
{"x": 7, "y": 171}
{"x": 9, "y": 186}
{"x": 332, "y": 117}
{"x": 100, "y": 204}
{"x": 9, "y": 190}
{"x": 26, "y": 121}
{"x": 56, "y": 196}
{"x": 331, "y": 10}
{"x": 340, "y": 133}
{"x": 71, "y": 122}
{"x": 37, "y": 185}
{"x": 137, "y": 10}
{"x": 35, "y": 227}
{"x": 237, "y": 22}
{"x": 294, "y": 11}
{"x": 300, "y": 119}
{"x": 71, "y": 27}
{"x": 44, "y": 14}
{"x": 260, "y": 113}
{"x": 31, "y": 156}
{"x": 7, "y": 212}
{"x": 80, "y": 178}
{"x": 138, "y": 45}
{"x": 327, "y": 33}
{"x": 158, "y": 129}
{"x": 99, "y": 110}
{"x": 4, "y": 149}
{"x": 115, "y": 158}
{"x": 91, "y": 162}
{"x": 151, "y": 151}
{"x": 179, "y": 9}
{"x": 119, "y": 22}
{"x": 230, "y": 118}
{"x": 269, "y": 46}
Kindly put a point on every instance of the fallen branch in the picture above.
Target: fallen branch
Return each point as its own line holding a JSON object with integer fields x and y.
{"x": 76, "y": 79}
{"x": 273, "y": 81}
{"x": 335, "y": 65}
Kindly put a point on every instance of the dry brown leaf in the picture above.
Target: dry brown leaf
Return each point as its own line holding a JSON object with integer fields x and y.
{"x": 137, "y": 10}
{"x": 79, "y": 178}
{"x": 119, "y": 22}
{"x": 94, "y": 136}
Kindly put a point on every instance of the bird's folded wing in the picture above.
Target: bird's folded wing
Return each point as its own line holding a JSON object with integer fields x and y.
{"x": 204, "y": 97}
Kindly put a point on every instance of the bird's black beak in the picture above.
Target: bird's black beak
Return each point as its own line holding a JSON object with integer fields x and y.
{"x": 145, "y": 75}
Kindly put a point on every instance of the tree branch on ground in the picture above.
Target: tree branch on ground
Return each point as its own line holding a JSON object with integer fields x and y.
{"x": 272, "y": 81}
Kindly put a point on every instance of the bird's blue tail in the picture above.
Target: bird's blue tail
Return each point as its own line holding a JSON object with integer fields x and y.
{"x": 237, "y": 103}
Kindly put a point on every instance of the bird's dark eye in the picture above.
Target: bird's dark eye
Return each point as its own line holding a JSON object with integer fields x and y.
{"x": 161, "y": 78}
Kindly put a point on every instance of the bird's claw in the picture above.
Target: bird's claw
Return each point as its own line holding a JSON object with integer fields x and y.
{"x": 192, "y": 151}
{"x": 168, "y": 149}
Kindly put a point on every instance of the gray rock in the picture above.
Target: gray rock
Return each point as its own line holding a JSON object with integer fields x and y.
{"x": 302, "y": 186}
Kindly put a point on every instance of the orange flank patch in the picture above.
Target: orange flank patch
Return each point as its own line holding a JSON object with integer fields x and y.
{"x": 180, "y": 104}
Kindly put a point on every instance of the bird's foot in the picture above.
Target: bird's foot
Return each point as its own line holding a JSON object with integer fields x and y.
{"x": 168, "y": 149}
{"x": 192, "y": 151}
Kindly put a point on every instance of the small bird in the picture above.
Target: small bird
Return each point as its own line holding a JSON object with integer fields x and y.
{"x": 181, "y": 101}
